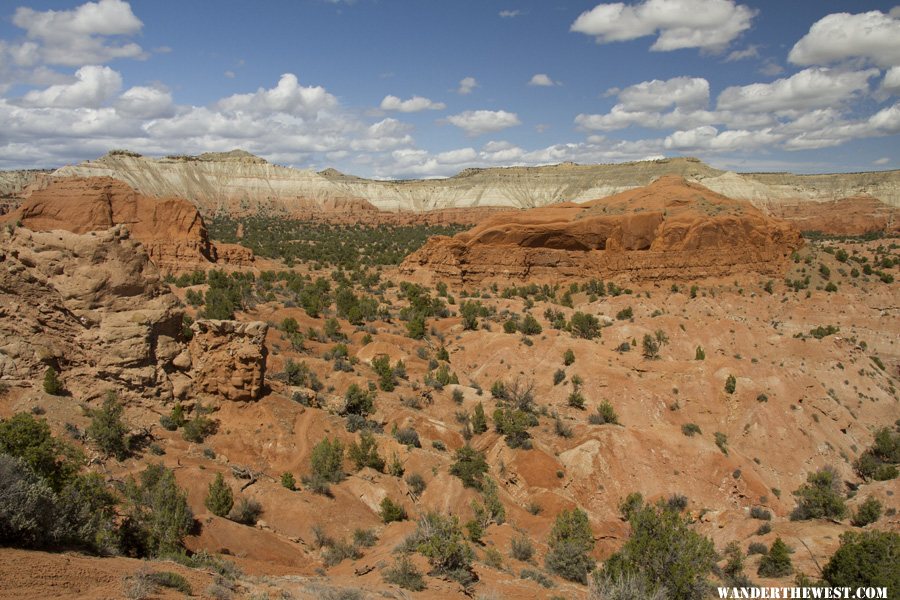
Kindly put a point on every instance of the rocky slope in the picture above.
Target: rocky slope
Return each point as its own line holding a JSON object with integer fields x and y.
{"x": 171, "y": 229}
{"x": 669, "y": 229}
{"x": 94, "y": 307}
{"x": 240, "y": 182}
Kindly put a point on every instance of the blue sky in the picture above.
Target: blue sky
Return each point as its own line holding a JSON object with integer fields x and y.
{"x": 412, "y": 88}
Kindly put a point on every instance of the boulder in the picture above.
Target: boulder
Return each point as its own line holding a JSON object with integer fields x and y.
{"x": 229, "y": 358}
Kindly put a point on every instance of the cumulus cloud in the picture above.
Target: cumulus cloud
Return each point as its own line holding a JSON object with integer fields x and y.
{"x": 710, "y": 138}
{"x": 466, "y": 85}
{"x": 287, "y": 97}
{"x": 509, "y": 14}
{"x": 705, "y": 24}
{"x": 891, "y": 81}
{"x": 146, "y": 103}
{"x": 542, "y": 80}
{"x": 808, "y": 89}
{"x": 872, "y": 35}
{"x": 685, "y": 92}
{"x": 93, "y": 86}
{"x": 880, "y": 162}
{"x": 414, "y": 104}
{"x": 477, "y": 122}
{"x": 751, "y": 51}
{"x": 79, "y": 36}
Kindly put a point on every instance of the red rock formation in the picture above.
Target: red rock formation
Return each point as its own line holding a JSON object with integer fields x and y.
{"x": 848, "y": 216}
{"x": 229, "y": 358}
{"x": 171, "y": 229}
{"x": 669, "y": 229}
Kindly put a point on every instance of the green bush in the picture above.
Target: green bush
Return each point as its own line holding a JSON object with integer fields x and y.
{"x": 246, "y": 512}
{"x": 470, "y": 311}
{"x": 198, "y": 429}
{"x": 690, "y": 429}
{"x": 730, "y": 384}
{"x": 416, "y": 483}
{"x": 168, "y": 579}
{"x": 288, "y": 481}
{"x": 358, "y": 401}
{"x": 605, "y": 414}
{"x": 219, "y": 498}
{"x": 440, "y": 539}
{"x": 382, "y": 366}
{"x": 479, "y": 420}
{"x": 521, "y": 548}
{"x": 663, "y": 548}
{"x": 107, "y": 429}
{"x": 404, "y": 574}
{"x": 699, "y": 353}
{"x": 327, "y": 462}
{"x": 52, "y": 384}
{"x": 777, "y": 562}
{"x": 585, "y": 326}
{"x": 571, "y": 542}
{"x": 23, "y": 436}
{"x": 568, "y": 357}
{"x": 530, "y": 325}
{"x": 820, "y": 497}
{"x": 868, "y": 512}
{"x": 865, "y": 559}
{"x": 470, "y": 467}
{"x": 391, "y": 511}
{"x": 625, "y": 314}
{"x": 514, "y": 423}
{"x": 365, "y": 453}
{"x": 158, "y": 515}
{"x": 880, "y": 460}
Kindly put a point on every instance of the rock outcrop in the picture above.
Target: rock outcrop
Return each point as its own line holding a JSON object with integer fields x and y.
{"x": 94, "y": 308}
{"x": 171, "y": 229}
{"x": 229, "y": 358}
{"x": 846, "y": 216}
{"x": 670, "y": 229}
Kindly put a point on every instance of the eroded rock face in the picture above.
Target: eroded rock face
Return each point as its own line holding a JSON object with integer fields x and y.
{"x": 93, "y": 306}
{"x": 229, "y": 358}
{"x": 669, "y": 229}
{"x": 171, "y": 229}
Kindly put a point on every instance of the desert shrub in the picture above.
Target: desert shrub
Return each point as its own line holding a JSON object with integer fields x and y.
{"x": 733, "y": 571}
{"x": 585, "y": 326}
{"x": 777, "y": 562}
{"x": 558, "y": 376}
{"x": 627, "y": 587}
{"x": 29, "y": 508}
{"x": 721, "y": 441}
{"x": 820, "y": 497}
{"x": 365, "y": 453}
{"x": 288, "y": 481}
{"x": 158, "y": 515}
{"x": 521, "y": 548}
{"x": 364, "y": 538}
{"x": 391, "y": 511}
{"x": 571, "y": 542}
{"x": 530, "y": 325}
{"x": 690, "y": 429}
{"x": 513, "y": 423}
{"x": 868, "y": 512}
{"x": 757, "y": 548}
{"x": 404, "y": 574}
{"x": 327, "y": 462}
{"x": 416, "y": 483}
{"x": 23, "y": 436}
{"x": 470, "y": 467}
{"x": 730, "y": 384}
{"x": 198, "y": 429}
{"x": 758, "y": 512}
{"x": 52, "y": 384}
{"x": 171, "y": 580}
{"x": 382, "y": 367}
{"x": 632, "y": 502}
{"x": 764, "y": 529}
{"x": 663, "y": 548}
{"x": 246, "y": 512}
{"x": 677, "y": 502}
{"x": 408, "y": 437}
{"x": 359, "y": 402}
{"x": 865, "y": 559}
{"x": 219, "y": 498}
{"x": 568, "y": 357}
{"x": 699, "y": 353}
{"x": 107, "y": 429}
{"x": 440, "y": 539}
{"x": 625, "y": 314}
{"x": 470, "y": 311}
{"x": 479, "y": 420}
{"x": 458, "y": 396}
{"x": 536, "y": 576}
{"x": 605, "y": 414}
{"x": 880, "y": 460}
{"x": 562, "y": 430}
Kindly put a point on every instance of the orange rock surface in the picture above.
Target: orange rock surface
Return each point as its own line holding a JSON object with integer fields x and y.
{"x": 669, "y": 229}
{"x": 171, "y": 229}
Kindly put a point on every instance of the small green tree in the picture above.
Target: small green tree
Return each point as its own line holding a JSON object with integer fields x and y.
{"x": 568, "y": 357}
{"x": 699, "y": 353}
{"x": 730, "y": 384}
{"x": 52, "y": 384}
{"x": 391, "y": 511}
{"x": 22, "y": 436}
{"x": 820, "y": 497}
{"x": 359, "y": 401}
{"x": 470, "y": 467}
{"x": 868, "y": 512}
{"x": 365, "y": 453}
{"x": 865, "y": 559}
{"x": 440, "y": 539}
{"x": 469, "y": 311}
{"x": 327, "y": 461}
{"x": 219, "y": 499}
{"x": 381, "y": 364}
{"x": 108, "y": 430}
{"x": 571, "y": 542}
{"x": 585, "y": 326}
{"x": 288, "y": 481}
{"x": 479, "y": 420}
{"x": 158, "y": 516}
{"x": 777, "y": 562}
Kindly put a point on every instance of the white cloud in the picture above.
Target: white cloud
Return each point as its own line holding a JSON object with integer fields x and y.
{"x": 230, "y": 74}
{"x": 881, "y": 161}
{"x": 455, "y": 157}
{"x": 414, "y": 104}
{"x": 837, "y": 131}
{"x": 891, "y": 81}
{"x": 477, "y": 122}
{"x": 706, "y": 24}
{"x": 751, "y": 51}
{"x": 146, "y": 103}
{"x": 79, "y": 36}
{"x": 686, "y": 92}
{"x": 509, "y": 14}
{"x": 286, "y": 97}
{"x": 835, "y": 37}
{"x": 542, "y": 80}
{"x": 93, "y": 87}
{"x": 710, "y": 138}
{"x": 808, "y": 89}
{"x": 770, "y": 68}
{"x": 466, "y": 85}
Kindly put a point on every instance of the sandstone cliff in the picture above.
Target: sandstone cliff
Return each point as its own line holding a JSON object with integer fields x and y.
{"x": 670, "y": 229}
{"x": 171, "y": 229}
{"x": 94, "y": 308}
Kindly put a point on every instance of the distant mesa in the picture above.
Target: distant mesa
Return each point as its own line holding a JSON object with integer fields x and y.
{"x": 171, "y": 229}
{"x": 671, "y": 229}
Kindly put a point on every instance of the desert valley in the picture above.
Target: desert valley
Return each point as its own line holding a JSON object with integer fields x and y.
{"x": 223, "y": 378}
